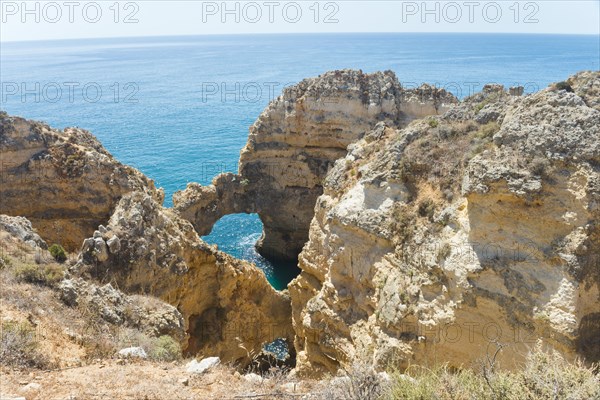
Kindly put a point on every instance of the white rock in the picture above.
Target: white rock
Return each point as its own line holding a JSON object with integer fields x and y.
{"x": 407, "y": 378}
{"x": 290, "y": 387}
{"x": 133, "y": 352}
{"x": 195, "y": 367}
{"x": 100, "y": 249}
{"x": 253, "y": 378}
{"x": 114, "y": 244}
{"x": 384, "y": 377}
{"x": 31, "y": 387}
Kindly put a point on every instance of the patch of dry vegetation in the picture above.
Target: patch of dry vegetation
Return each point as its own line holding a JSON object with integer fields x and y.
{"x": 545, "y": 376}
{"x": 19, "y": 345}
{"x": 38, "y": 330}
{"x": 440, "y": 154}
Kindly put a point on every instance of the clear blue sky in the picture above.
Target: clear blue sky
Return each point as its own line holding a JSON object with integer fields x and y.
{"x": 69, "y": 19}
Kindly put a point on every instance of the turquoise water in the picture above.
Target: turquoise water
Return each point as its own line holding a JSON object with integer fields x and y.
{"x": 161, "y": 108}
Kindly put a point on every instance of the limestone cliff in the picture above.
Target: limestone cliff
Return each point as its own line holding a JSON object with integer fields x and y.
{"x": 459, "y": 234}
{"x": 428, "y": 233}
{"x": 292, "y": 146}
{"x": 71, "y": 188}
{"x": 230, "y": 309}
{"x": 64, "y": 182}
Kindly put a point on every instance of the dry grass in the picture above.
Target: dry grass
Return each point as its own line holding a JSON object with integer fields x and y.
{"x": 19, "y": 345}
{"x": 545, "y": 376}
{"x": 361, "y": 382}
{"x": 47, "y": 275}
{"x": 35, "y": 321}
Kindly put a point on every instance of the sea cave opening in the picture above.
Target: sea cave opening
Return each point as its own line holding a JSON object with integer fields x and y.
{"x": 237, "y": 234}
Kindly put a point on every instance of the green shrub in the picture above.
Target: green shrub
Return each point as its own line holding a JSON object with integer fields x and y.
{"x": 47, "y": 275}
{"x": 433, "y": 123}
{"x": 563, "y": 86}
{"x": 427, "y": 209}
{"x": 403, "y": 223}
{"x": 488, "y": 130}
{"x": 360, "y": 382}
{"x": 165, "y": 348}
{"x": 425, "y": 384}
{"x": 58, "y": 253}
{"x": 547, "y": 375}
{"x": 5, "y": 262}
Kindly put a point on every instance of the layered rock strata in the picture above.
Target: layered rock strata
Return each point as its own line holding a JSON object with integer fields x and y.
{"x": 458, "y": 235}
{"x": 292, "y": 146}
{"x": 64, "y": 182}
{"x": 73, "y": 191}
{"x": 230, "y": 309}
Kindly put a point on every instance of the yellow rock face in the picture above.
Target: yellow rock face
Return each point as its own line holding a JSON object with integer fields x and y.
{"x": 456, "y": 236}
{"x": 64, "y": 182}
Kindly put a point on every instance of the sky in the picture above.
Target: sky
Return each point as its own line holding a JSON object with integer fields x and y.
{"x": 72, "y": 19}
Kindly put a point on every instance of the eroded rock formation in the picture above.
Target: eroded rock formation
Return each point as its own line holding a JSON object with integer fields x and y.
{"x": 64, "y": 182}
{"x": 292, "y": 146}
{"x": 230, "y": 309}
{"x": 441, "y": 241}
{"x": 430, "y": 240}
{"x": 72, "y": 189}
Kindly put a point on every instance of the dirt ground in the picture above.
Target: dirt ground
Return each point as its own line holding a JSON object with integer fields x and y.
{"x": 143, "y": 380}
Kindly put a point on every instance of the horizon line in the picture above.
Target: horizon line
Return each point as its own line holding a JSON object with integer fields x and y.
{"x": 297, "y": 33}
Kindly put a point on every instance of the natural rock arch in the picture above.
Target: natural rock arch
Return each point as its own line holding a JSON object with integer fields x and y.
{"x": 292, "y": 146}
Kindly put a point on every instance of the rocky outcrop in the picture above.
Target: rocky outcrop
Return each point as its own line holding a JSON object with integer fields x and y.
{"x": 75, "y": 192}
{"x": 292, "y": 146}
{"x": 145, "y": 313}
{"x": 432, "y": 238}
{"x": 457, "y": 235}
{"x": 21, "y": 245}
{"x": 229, "y": 308}
{"x": 20, "y": 228}
{"x": 64, "y": 182}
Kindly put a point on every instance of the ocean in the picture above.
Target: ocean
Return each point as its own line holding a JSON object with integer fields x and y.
{"x": 179, "y": 108}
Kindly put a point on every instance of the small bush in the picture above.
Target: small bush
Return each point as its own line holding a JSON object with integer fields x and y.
{"x": 403, "y": 223}
{"x": 563, "y": 86}
{"x": 488, "y": 130}
{"x": 540, "y": 166}
{"x": 360, "y": 383}
{"x": 425, "y": 384}
{"x": 433, "y": 123}
{"x": 427, "y": 209}
{"x": 444, "y": 252}
{"x": 545, "y": 376}
{"x": 463, "y": 127}
{"x": 18, "y": 346}
{"x": 164, "y": 348}
{"x": 409, "y": 170}
{"x": 58, "y": 253}
{"x": 5, "y": 262}
{"x": 48, "y": 275}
